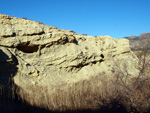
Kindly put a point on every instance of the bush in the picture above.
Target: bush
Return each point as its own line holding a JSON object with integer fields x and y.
{"x": 134, "y": 92}
{"x": 24, "y": 18}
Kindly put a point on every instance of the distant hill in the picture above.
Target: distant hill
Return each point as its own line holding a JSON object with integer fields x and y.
{"x": 139, "y": 42}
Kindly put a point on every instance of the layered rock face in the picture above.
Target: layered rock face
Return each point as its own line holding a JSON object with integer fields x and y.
{"x": 45, "y": 56}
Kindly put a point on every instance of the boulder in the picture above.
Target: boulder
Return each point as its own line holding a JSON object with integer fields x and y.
{"x": 51, "y": 62}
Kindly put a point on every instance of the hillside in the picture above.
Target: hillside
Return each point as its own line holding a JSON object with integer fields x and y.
{"x": 139, "y": 42}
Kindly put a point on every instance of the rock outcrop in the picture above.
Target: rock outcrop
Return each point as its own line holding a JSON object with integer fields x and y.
{"x": 45, "y": 56}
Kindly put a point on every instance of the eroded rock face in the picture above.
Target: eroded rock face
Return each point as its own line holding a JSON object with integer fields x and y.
{"x": 48, "y": 56}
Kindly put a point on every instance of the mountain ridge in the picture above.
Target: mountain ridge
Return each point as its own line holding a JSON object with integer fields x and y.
{"x": 138, "y": 43}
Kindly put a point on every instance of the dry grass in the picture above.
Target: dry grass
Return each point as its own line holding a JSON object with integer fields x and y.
{"x": 74, "y": 96}
{"x": 96, "y": 93}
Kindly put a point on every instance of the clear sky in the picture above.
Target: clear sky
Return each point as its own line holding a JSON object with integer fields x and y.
{"x": 117, "y": 18}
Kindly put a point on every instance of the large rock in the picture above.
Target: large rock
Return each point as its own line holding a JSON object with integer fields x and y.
{"x": 53, "y": 60}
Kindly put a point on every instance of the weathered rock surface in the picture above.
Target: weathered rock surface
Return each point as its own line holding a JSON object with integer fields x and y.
{"x": 47, "y": 56}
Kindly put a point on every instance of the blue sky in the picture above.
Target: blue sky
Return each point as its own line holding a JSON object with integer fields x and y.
{"x": 117, "y": 18}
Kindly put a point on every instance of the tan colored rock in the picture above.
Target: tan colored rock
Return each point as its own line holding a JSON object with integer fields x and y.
{"x": 57, "y": 59}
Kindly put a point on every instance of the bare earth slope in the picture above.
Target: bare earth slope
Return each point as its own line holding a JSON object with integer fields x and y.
{"x": 45, "y": 56}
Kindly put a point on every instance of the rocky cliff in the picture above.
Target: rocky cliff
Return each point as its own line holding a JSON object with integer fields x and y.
{"x": 39, "y": 56}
